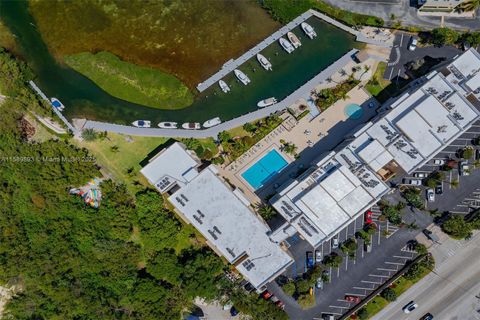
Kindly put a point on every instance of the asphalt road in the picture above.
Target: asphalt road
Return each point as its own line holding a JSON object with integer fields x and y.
{"x": 449, "y": 293}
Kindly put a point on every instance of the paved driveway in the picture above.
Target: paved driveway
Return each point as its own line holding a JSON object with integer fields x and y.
{"x": 400, "y": 55}
{"x": 405, "y": 11}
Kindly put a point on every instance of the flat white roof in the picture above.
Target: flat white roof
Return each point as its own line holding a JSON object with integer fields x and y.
{"x": 173, "y": 165}
{"x": 230, "y": 227}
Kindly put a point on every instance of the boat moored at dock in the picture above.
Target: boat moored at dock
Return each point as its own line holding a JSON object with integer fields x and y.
{"x": 242, "y": 77}
{"x": 308, "y": 29}
{"x": 267, "y": 102}
{"x": 286, "y": 45}
{"x": 191, "y": 125}
{"x": 141, "y": 123}
{"x": 167, "y": 125}
{"x": 57, "y": 104}
{"x": 293, "y": 39}
{"x": 264, "y": 62}
{"x": 212, "y": 122}
{"x": 224, "y": 86}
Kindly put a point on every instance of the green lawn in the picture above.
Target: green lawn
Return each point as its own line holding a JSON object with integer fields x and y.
{"x": 377, "y": 304}
{"x": 375, "y": 87}
{"x": 128, "y": 156}
{"x": 130, "y": 82}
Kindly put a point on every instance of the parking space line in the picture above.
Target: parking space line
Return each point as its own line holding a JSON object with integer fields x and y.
{"x": 384, "y": 269}
{"x": 365, "y": 281}
{"x": 338, "y": 307}
{"x": 355, "y": 294}
{"x": 346, "y": 263}
{"x": 402, "y": 257}
{"x": 395, "y": 263}
{"x": 338, "y": 272}
{"x": 377, "y": 275}
{"x": 361, "y": 288}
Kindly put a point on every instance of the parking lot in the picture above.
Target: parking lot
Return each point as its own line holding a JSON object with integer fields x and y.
{"x": 461, "y": 197}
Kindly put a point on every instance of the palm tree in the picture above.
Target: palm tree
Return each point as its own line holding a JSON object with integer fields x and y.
{"x": 89, "y": 134}
{"x": 454, "y": 183}
{"x": 266, "y": 211}
{"x": 342, "y": 72}
{"x": 470, "y": 5}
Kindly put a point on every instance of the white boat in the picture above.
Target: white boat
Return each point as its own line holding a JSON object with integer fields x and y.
{"x": 224, "y": 86}
{"x": 266, "y": 102}
{"x": 241, "y": 76}
{"x": 264, "y": 62}
{"x": 212, "y": 122}
{"x": 191, "y": 125}
{"x": 286, "y": 45}
{"x": 308, "y": 29}
{"x": 57, "y": 104}
{"x": 168, "y": 125}
{"x": 294, "y": 39}
{"x": 141, "y": 123}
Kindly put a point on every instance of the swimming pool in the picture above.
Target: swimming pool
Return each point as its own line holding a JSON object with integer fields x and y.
{"x": 264, "y": 169}
{"x": 353, "y": 111}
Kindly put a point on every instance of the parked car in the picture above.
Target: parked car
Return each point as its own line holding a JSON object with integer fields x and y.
{"x": 430, "y": 195}
{"x": 280, "y": 304}
{"x": 414, "y": 182}
{"x": 274, "y": 299}
{"x": 266, "y": 295}
{"x": 409, "y": 307}
{"x": 233, "y": 312}
{"x": 413, "y": 44}
{"x": 427, "y": 316}
{"x": 318, "y": 256}
{"x": 477, "y": 154}
{"x": 335, "y": 243}
{"x": 310, "y": 262}
{"x": 353, "y": 299}
{"x": 367, "y": 247}
{"x": 430, "y": 235}
{"x": 319, "y": 283}
{"x": 328, "y": 316}
{"x": 463, "y": 168}
{"x": 368, "y": 217}
{"x": 439, "y": 188}
{"x": 439, "y": 162}
{"x": 419, "y": 174}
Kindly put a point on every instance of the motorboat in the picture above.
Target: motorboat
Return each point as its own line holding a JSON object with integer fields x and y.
{"x": 266, "y": 102}
{"x": 264, "y": 62}
{"x": 293, "y": 39}
{"x": 191, "y": 125}
{"x": 224, "y": 86}
{"x": 286, "y": 45}
{"x": 168, "y": 125}
{"x": 212, "y": 122}
{"x": 241, "y": 76}
{"x": 141, "y": 123}
{"x": 57, "y": 104}
{"x": 308, "y": 29}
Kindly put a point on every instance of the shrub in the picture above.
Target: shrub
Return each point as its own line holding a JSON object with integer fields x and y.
{"x": 389, "y": 294}
{"x": 363, "y": 314}
{"x": 349, "y": 246}
{"x": 444, "y": 36}
{"x": 302, "y": 286}
{"x": 333, "y": 260}
{"x": 306, "y": 300}
{"x": 457, "y": 227}
{"x": 89, "y": 135}
{"x": 289, "y": 288}
{"x": 467, "y": 153}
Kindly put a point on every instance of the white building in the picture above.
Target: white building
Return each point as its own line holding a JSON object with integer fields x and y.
{"x": 222, "y": 215}
{"x": 418, "y": 125}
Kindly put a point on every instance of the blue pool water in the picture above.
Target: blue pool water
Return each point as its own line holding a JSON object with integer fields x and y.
{"x": 264, "y": 169}
{"x": 353, "y": 111}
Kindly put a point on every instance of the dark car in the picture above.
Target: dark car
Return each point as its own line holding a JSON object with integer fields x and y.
{"x": 310, "y": 261}
{"x": 427, "y": 316}
{"x": 439, "y": 189}
{"x": 233, "y": 311}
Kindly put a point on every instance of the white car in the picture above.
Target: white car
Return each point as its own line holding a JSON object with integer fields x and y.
{"x": 335, "y": 243}
{"x": 413, "y": 44}
{"x": 413, "y": 182}
{"x": 419, "y": 174}
{"x": 409, "y": 307}
{"x": 439, "y": 162}
{"x": 430, "y": 195}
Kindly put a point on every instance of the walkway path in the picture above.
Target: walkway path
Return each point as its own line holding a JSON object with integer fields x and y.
{"x": 302, "y": 92}
{"x": 52, "y": 125}
{"x": 231, "y": 65}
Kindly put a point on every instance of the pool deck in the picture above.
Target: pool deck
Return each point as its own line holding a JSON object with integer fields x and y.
{"x": 313, "y": 137}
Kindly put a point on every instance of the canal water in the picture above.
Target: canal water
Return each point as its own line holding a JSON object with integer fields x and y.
{"x": 84, "y": 99}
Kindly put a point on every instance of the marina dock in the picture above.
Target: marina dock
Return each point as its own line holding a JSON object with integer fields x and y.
{"x": 233, "y": 64}
{"x": 57, "y": 112}
{"x": 301, "y": 92}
